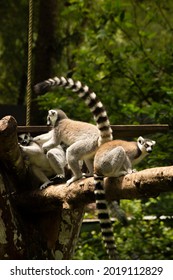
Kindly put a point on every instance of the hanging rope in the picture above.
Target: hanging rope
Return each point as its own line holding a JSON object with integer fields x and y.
{"x": 29, "y": 70}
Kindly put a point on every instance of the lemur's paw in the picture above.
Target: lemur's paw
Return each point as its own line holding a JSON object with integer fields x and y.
{"x": 73, "y": 179}
{"x": 45, "y": 185}
{"x": 134, "y": 171}
{"x": 86, "y": 175}
{"x": 58, "y": 179}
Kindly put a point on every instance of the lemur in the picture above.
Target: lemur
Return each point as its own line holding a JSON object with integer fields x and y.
{"x": 44, "y": 166}
{"x": 81, "y": 139}
{"x": 112, "y": 158}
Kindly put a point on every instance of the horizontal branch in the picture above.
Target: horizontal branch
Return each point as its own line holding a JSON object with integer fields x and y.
{"x": 145, "y": 183}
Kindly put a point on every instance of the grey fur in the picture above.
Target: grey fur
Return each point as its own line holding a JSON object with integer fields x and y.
{"x": 44, "y": 165}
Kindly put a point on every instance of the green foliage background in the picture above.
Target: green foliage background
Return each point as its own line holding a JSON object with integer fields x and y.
{"x": 141, "y": 240}
{"x": 123, "y": 50}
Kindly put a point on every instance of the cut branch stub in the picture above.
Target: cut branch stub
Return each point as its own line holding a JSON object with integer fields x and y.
{"x": 10, "y": 155}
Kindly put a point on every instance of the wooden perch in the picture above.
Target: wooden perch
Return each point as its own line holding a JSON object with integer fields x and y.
{"x": 119, "y": 131}
{"x": 142, "y": 184}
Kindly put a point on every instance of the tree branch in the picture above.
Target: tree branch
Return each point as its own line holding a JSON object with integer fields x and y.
{"x": 145, "y": 183}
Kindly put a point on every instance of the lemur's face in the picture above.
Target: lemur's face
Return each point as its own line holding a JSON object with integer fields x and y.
{"x": 52, "y": 117}
{"x": 24, "y": 139}
{"x": 145, "y": 145}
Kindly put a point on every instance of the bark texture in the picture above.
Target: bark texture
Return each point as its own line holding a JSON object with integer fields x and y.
{"x": 146, "y": 183}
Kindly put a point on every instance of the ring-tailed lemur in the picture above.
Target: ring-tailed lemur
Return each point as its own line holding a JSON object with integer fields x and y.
{"x": 44, "y": 166}
{"x": 111, "y": 158}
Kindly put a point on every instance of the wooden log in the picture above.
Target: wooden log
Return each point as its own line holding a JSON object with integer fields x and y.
{"x": 125, "y": 131}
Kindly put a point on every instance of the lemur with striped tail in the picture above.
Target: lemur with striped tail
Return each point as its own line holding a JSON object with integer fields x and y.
{"x": 112, "y": 158}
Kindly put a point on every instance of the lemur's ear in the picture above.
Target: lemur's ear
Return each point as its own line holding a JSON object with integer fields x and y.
{"x": 140, "y": 140}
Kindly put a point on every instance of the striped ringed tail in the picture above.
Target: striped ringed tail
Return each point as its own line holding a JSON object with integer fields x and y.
{"x": 90, "y": 98}
{"x": 104, "y": 218}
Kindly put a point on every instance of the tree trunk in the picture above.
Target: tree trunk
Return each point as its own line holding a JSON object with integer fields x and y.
{"x": 45, "y": 224}
{"x": 48, "y": 49}
{"x": 25, "y": 232}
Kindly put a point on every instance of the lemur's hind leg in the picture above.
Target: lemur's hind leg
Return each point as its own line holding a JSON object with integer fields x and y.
{"x": 57, "y": 160}
{"x": 89, "y": 164}
{"x": 121, "y": 165}
{"x": 76, "y": 152}
{"x": 113, "y": 163}
{"x": 42, "y": 177}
